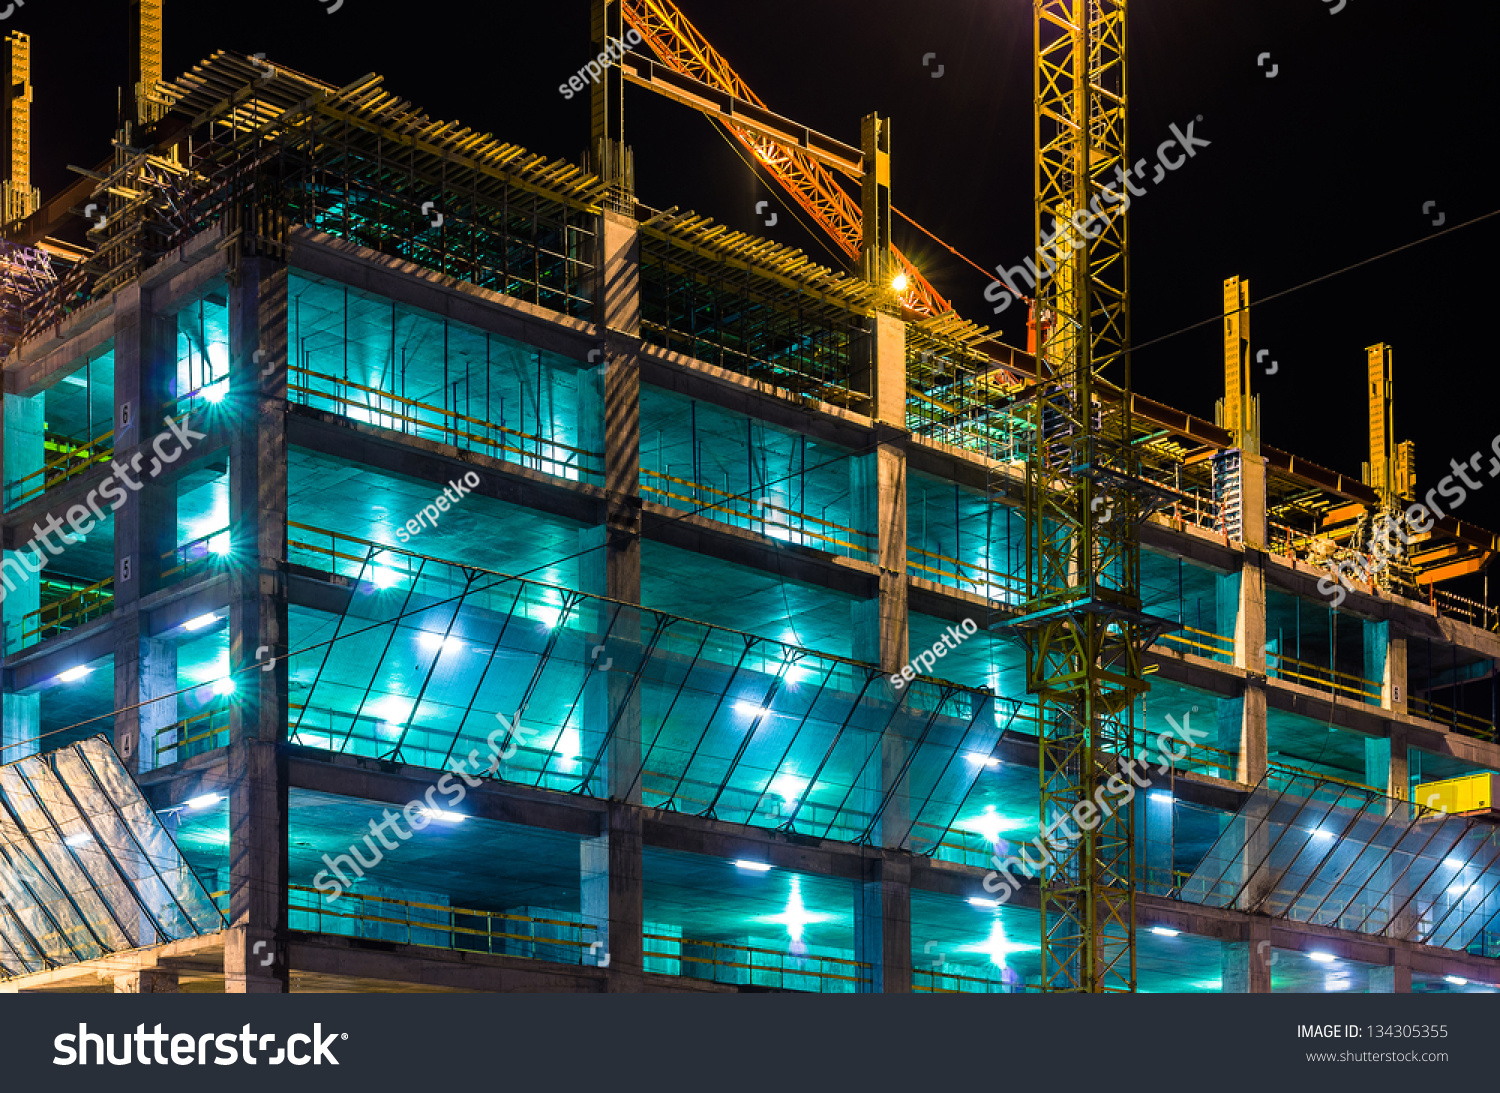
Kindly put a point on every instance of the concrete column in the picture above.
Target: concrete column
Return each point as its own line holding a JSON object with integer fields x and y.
{"x": 1395, "y": 979}
{"x": 22, "y": 723}
{"x": 1250, "y": 654}
{"x": 1247, "y": 964}
{"x": 1393, "y": 684}
{"x": 145, "y": 370}
{"x": 1253, "y": 500}
{"x": 24, "y": 441}
{"x": 880, "y": 626}
{"x": 147, "y": 981}
{"x": 1386, "y": 764}
{"x": 609, "y": 422}
{"x": 257, "y": 629}
{"x": 882, "y": 925}
{"x": 146, "y": 524}
{"x": 612, "y": 896}
{"x": 24, "y": 592}
{"x": 1227, "y": 608}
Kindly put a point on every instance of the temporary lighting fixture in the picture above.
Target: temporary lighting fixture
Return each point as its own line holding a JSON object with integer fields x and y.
{"x": 752, "y": 866}
{"x": 219, "y": 544}
{"x": 987, "y": 904}
{"x": 1162, "y": 796}
{"x": 900, "y": 283}
{"x": 796, "y": 917}
{"x": 207, "y": 800}
{"x": 1165, "y": 931}
{"x": 201, "y": 621}
{"x": 73, "y": 675}
{"x": 1322, "y": 958}
{"x": 223, "y": 686}
{"x": 989, "y": 824}
{"x": 443, "y": 816}
{"x": 997, "y": 947}
{"x": 383, "y": 578}
{"x": 979, "y": 759}
{"x": 1456, "y": 980}
{"x": 750, "y": 709}
{"x": 84, "y": 837}
{"x": 1319, "y": 833}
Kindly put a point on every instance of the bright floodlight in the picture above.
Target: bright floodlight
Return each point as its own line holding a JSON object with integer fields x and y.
{"x": 900, "y": 283}
{"x": 444, "y": 817}
{"x": 223, "y": 686}
{"x": 1322, "y": 958}
{"x": 980, "y": 901}
{"x": 752, "y": 866}
{"x": 201, "y": 621}
{"x": 207, "y": 800}
{"x": 72, "y": 675}
{"x": 1456, "y": 980}
{"x": 1165, "y": 931}
{"x": 383, "y": 578}
{"x": 981, "y": 760}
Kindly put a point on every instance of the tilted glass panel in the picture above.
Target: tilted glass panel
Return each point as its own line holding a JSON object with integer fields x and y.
{"x": 86, "y": 867}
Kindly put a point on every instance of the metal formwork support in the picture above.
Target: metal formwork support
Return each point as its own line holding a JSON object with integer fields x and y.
{"x": 1082, "y": 500}
{"x": 1239, "y": 412}
{"x": 19, "y": 199}
{"x": 877, "y": 259}
{"x": 145, "y": 62}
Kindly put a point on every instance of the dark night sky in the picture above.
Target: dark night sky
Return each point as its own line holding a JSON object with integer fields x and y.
{"x": 1374, "y": 111}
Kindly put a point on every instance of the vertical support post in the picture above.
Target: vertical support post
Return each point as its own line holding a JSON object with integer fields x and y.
{"x": 254, "y": 952}
{"x": 610, "y": 423}
{"x": 612, "y": 160}
{"x": 145, "y": 44}
{"x": 612, "y": 887}
{"x": 1247, "y": 964}
{"x": 1239, "y": 411}
{"x": 146, "y": 524}
{"x": 881, "y": 625}
{"x": 18, "y": 197}
{"x": 876, "y": 256}
{"x": 1395, "y": 979}
{"x": 882, "y": 926}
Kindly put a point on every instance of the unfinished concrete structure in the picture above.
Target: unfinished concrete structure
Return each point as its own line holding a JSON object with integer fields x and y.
{"x": 701, "y": 501}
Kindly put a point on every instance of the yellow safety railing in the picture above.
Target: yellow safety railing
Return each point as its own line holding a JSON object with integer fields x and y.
{"x": 387, "y": 411}
{"x": 1203, "y": 642}
{"x": 990, "y": 583}
{"x": 1466, "y": 723}
{"x": 84, "y": 605}
{"x": 187, "y": 558}
{"x": 76, "y": 458}
{"x": 1318, "y": 676}
{"x": 379, "y": 910}
{"x": 1473, "y": 612}
{"x": 989, "y": 986}
{"x": 847, "y": 971}
{"x": 824, "y": 533}
{"x": 208, "y": 725}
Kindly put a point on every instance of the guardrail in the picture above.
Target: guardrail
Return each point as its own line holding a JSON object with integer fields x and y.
{"x": 1204, "y": 643}
{"x": 789, "y": 525}
{"x": 990, "y": 583}
{"x": 410, "y": 417}
{"x": 737, "y": 963}
{"x": 84, "y": 605}
{"x": 1315, "y": 675}
{"x": 77, "y": 457}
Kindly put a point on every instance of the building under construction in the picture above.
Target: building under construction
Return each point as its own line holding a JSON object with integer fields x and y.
{"x": 429, "y": 568}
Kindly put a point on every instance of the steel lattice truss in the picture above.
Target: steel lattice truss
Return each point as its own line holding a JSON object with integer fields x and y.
{"x": 1083, "y": 505}
{"x": 669, "y": 35}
